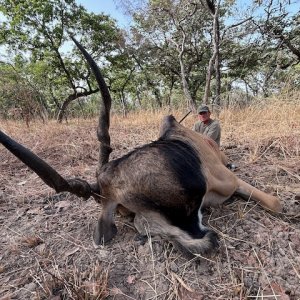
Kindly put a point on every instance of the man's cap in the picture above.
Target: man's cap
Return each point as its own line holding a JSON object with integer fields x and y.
{"x": 203, "y": 108}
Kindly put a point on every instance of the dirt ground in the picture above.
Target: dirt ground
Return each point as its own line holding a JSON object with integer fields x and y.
{"x": 46, "y": 247}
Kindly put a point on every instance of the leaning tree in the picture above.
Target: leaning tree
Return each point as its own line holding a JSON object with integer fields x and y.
{"x": 39, "y": 30}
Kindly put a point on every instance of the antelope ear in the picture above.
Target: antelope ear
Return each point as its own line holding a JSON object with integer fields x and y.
{"x": 167, "y": 124}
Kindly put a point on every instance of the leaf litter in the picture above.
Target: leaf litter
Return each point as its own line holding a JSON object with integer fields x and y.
{"x": 46, "y": 247}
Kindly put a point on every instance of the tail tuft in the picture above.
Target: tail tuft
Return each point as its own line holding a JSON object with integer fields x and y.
{"x": 191, "y": 247}
{"x": 155, "y": 223}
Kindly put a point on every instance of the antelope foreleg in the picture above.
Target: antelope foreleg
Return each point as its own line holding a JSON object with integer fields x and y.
{"x": 106, "y": 229}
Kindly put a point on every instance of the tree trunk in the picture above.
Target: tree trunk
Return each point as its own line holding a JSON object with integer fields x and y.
{"x": 150, "y": 83}
{"x": 208, "y": 79}
{"x": 123, "y": 102}
{"x": 217, "y": 58}
{"x": 214, "y": 60}
{"x": 138, "y": 97}
{"x": 191, "y": 103}
{"x": 62, "y": 111}
{"x": 157, "y": 95}
{"x": 71, "y": 98}
{"x": 169, "y": 97}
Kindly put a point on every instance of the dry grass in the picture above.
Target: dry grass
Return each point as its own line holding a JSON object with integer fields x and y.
{"x": 275, "y": 120}
{"x": 72, "y": 284}
{"x": 45, "y": 239}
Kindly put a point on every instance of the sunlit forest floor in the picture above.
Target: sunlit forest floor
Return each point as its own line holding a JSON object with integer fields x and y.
{"x": 46, "y": 248}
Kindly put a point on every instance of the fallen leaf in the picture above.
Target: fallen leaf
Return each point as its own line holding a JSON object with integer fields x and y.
{"x": 55, "y": 298}
{"x": 130, "y": 279}
{"x": 187, "y": 295}
{"x": 32, "y": 241}
{"x": 115, "y": 291}
{"x": 71, "y": 252}
{"x": 2, "y": 269}
{"x": 34, "y": 211}
{"x": 22, "y": 182}
{"x": 62, "y": 204}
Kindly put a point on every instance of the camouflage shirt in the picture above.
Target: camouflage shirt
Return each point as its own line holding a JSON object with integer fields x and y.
{"x": 212, "y": 129}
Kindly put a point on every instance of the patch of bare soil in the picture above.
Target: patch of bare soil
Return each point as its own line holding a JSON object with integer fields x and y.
{"x": 46, "y": 247}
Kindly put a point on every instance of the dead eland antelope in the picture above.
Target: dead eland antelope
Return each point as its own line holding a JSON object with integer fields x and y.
{"x": 166, "y": 183}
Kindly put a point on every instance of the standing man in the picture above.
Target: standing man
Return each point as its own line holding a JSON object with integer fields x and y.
{"x": 208, "y": 126}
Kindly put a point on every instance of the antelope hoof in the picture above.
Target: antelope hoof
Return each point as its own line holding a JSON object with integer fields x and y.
{"x": 104, "y": 232}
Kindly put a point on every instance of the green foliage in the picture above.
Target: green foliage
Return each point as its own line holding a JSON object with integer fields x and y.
{"x": 259, "y": 54}
{"x": 38, "y": 33}
{"x": 19, "y": 96}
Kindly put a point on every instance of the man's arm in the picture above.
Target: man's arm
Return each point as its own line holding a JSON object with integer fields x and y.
{"x": 214, "y": 131}
{"x": 196, "y": 127}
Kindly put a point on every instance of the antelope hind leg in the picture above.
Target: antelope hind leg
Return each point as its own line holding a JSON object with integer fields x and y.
{"x": 247, "y": 191}
{"x": 105, "y": 228}
{"x": 157, "y": 224}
